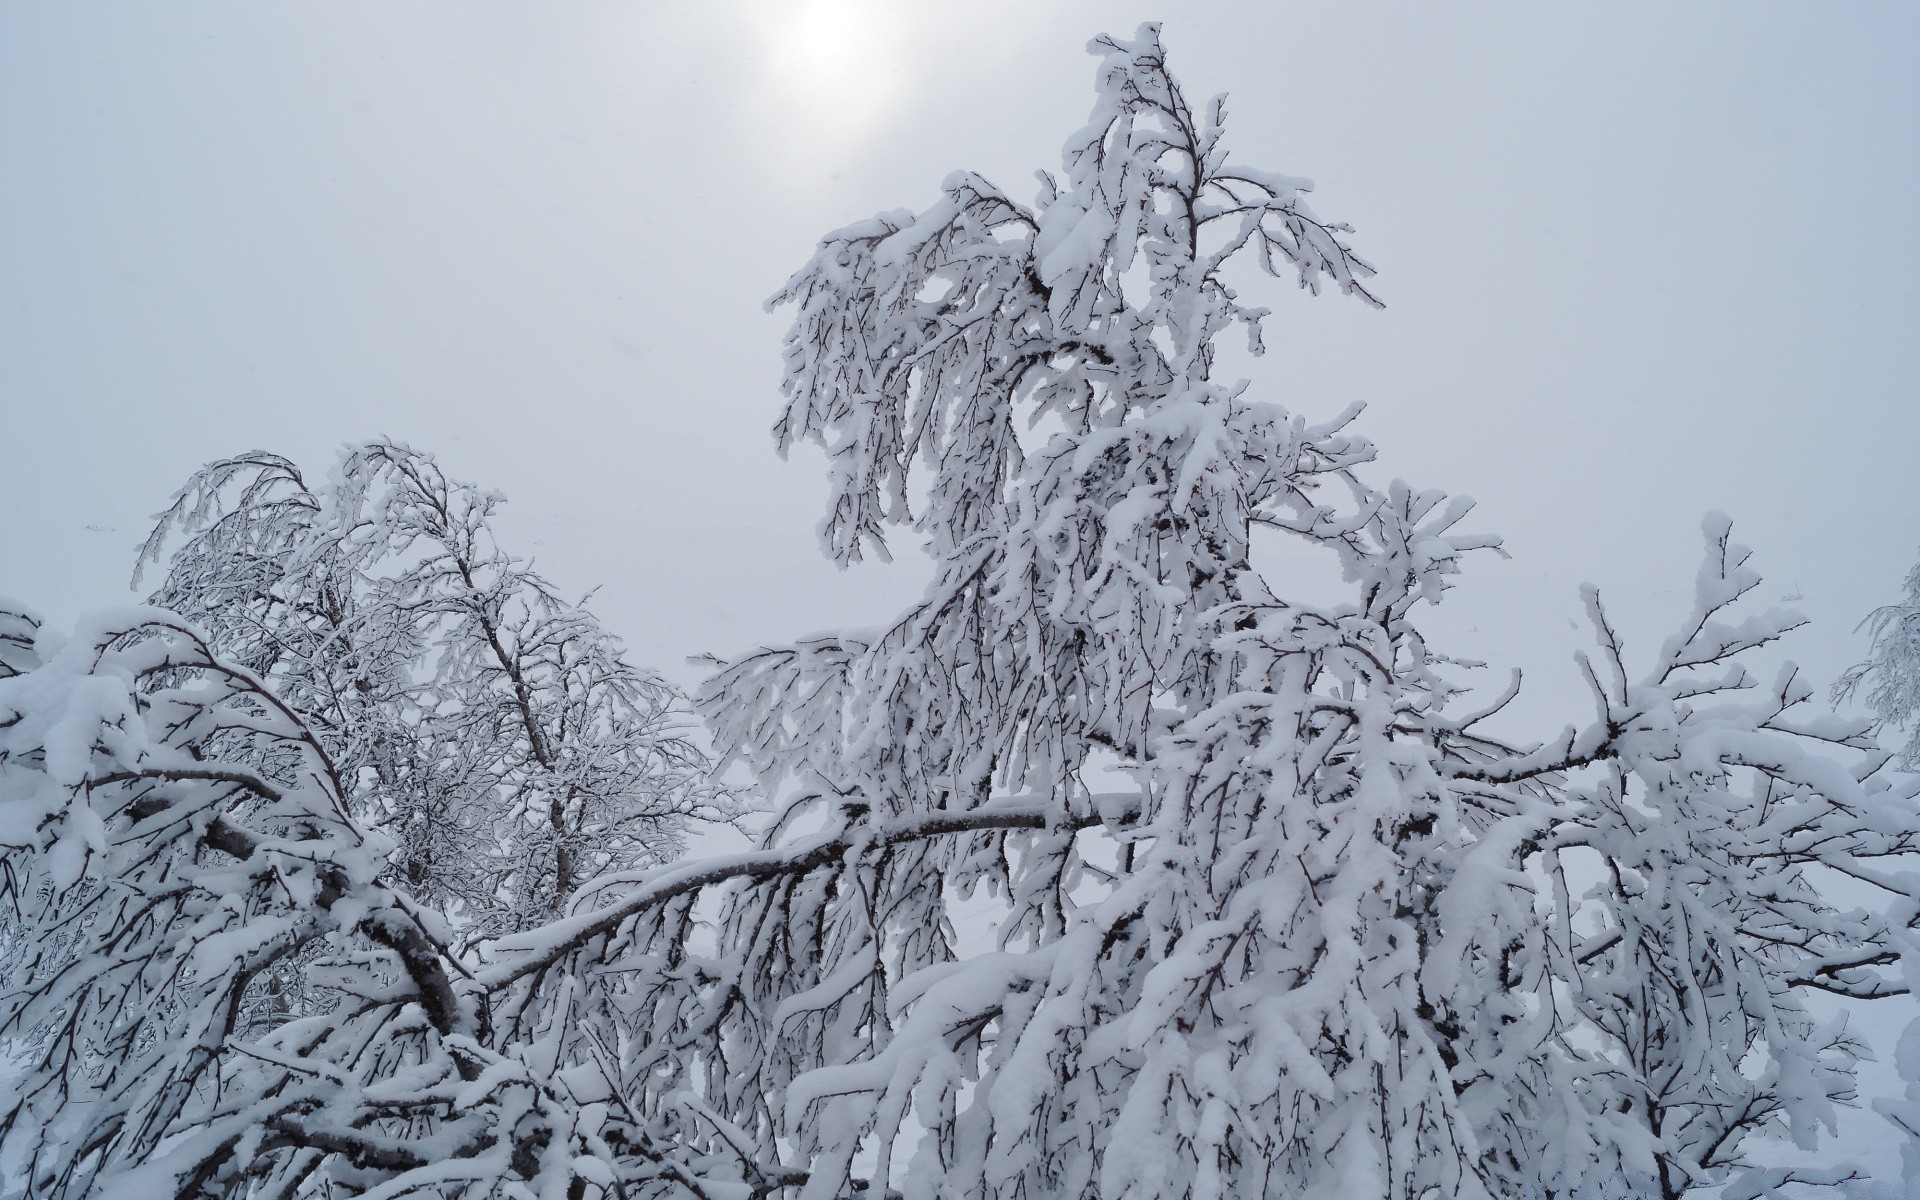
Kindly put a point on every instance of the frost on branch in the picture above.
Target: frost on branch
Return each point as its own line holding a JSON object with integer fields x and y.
{"x": 494, "y": 730}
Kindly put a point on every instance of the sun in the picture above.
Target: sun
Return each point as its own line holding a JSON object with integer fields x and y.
{"x": 821, "y": 44}
{"x": 832, "y": 72}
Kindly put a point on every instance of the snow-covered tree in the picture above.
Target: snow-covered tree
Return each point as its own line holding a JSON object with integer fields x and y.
{"x": 1109, "y": 870}
{"x": 1888, "y": 679}
{"x": 494, "y": 730}
{"x": 1328, "y": 941}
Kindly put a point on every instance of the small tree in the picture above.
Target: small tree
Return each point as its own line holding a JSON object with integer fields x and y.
{"x": 494, "y": 730}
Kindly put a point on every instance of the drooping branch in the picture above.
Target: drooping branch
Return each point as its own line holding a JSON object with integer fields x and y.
{"x": 385, "y": 922}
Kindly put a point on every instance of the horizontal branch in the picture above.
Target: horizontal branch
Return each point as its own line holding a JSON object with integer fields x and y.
{"x": 535, "y": 950}
{"x": 1569, "y": 753}
{"x": 1837, "y": 976}
{"x": 362, "y": 1150}
{"x": 148, "y": 806}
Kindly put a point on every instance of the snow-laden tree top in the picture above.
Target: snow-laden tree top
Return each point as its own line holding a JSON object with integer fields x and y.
{"x": 924, "y": 335}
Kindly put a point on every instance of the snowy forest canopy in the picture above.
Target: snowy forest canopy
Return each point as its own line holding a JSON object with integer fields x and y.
{"x": 355, "y": 866}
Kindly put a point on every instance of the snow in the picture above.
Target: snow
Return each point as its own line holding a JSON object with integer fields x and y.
{"x": 1270, "y": 917}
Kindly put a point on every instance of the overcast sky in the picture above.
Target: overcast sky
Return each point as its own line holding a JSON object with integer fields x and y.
{"x": 1640, "y": 261}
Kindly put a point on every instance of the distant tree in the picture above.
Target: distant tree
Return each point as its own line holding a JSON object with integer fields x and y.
{"x": 1888, "y": 682}
{"x": 1888, "y": 679}
{"x": 494, "y": 730}
{"x": 1107, "y": 872}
